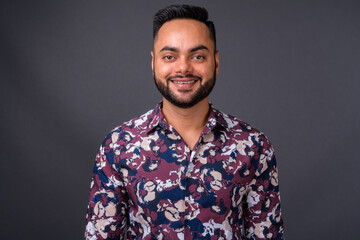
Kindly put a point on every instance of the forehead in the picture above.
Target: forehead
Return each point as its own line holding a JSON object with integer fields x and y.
{"x": 183, "y": 33}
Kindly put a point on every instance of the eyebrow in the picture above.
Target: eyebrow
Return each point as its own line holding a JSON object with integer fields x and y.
{"x": 200, "y": 47}
{"x": 174, "y": 49}
{"x": 167, "y": 48}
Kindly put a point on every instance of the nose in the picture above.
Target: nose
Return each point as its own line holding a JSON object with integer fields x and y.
{"x": 183, "y": 65}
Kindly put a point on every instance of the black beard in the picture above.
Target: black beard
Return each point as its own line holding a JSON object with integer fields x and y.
{"x": 200, "y": 94}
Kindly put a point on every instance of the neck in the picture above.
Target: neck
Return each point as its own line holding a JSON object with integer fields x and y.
{"x": 186, "y": 120}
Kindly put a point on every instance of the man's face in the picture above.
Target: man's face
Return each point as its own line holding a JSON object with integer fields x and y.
{"x": 184, "y": 62}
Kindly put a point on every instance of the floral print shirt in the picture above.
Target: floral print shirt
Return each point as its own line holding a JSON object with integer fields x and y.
{"x": 147, "y": 182}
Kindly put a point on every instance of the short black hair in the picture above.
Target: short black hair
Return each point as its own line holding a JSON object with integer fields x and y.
{"x": 186, "y": 12}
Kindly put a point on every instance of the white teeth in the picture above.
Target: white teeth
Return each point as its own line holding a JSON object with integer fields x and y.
{"x": 187, "y": 82}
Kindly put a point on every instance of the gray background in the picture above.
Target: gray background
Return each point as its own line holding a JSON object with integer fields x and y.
{"x": 73, "y": 70}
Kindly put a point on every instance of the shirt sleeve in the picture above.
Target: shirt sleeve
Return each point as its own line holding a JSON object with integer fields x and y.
{"x": 262, "y": 211}
{"x": 106, "y": 213}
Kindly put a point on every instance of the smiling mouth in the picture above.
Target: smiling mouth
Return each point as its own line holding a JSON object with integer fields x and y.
{"x": 183, "y": 82}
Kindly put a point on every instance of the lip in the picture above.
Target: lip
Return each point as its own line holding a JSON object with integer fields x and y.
{"x": 184, "y": 83}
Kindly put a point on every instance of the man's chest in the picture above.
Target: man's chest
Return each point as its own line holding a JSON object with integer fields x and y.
{"x": 161, "y": 171}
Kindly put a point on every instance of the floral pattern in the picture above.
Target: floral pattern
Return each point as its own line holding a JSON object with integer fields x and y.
{"x": 147, "y": 182}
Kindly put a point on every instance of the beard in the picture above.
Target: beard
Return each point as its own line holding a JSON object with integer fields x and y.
{"x": 202, "y": 92}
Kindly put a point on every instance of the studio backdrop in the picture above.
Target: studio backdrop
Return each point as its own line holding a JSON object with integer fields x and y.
{"x": 71, "y": 71}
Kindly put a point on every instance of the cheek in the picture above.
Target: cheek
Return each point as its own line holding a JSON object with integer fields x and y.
{"x": 206, "y": 70}
{"x": 162, "y": 70}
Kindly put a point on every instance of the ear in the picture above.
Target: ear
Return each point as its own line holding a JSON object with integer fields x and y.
{"x": 152, "y": 61}
{"x": 217, "y": 62}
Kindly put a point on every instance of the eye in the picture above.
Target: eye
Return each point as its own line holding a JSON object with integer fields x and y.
{"x": 168, "y": 58}
{"x": 199, "y": 57}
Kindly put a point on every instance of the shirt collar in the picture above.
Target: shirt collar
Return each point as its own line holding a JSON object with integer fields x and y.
{"x": 216, "y": 118}
{"x": 157, "y": 119}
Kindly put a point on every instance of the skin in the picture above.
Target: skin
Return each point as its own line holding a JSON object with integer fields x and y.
{"x": 184, "y": 47}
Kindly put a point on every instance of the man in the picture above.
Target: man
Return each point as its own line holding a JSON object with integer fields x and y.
{"x": 184, "y": 170}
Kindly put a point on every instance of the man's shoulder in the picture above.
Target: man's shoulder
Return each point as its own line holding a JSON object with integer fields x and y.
{"x": 136, "y": 126}
{"x": 240, "y": 129}
{"x": 235, "y": 124}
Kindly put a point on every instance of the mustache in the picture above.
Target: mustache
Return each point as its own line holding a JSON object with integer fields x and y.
{"x": 169, "y": 78}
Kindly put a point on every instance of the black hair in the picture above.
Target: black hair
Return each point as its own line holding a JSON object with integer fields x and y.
{"x": 186, "y": 12}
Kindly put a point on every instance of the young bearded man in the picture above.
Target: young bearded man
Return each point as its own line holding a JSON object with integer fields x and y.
{"x": 185, "y": 170}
